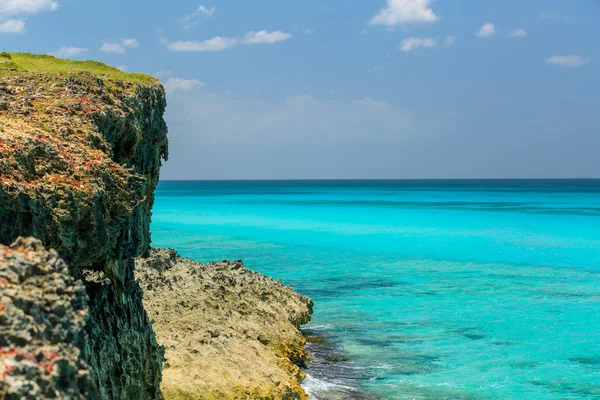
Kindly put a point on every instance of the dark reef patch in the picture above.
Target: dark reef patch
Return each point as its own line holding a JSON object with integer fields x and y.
{"x": 592, "y": 361}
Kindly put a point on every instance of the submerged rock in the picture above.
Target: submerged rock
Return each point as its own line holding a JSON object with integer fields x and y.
{"x": 42, "y": 313}
{"x": 229, "y": 333}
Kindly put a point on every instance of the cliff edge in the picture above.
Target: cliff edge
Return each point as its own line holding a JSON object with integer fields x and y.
{"x": 81, "y": 145}
{"x": 229, "y": 333}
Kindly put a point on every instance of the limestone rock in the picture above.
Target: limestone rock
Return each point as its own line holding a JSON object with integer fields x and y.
{"x": 81, "y": 145}
{"x": 229, "y": 333}
{"x": 42, "y": 313}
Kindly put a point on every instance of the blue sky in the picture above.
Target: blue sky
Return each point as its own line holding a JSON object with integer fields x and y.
{"x": 349, "y": 89}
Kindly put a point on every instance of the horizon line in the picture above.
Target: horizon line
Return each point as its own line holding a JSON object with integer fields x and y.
{"x": 377, "y": 179}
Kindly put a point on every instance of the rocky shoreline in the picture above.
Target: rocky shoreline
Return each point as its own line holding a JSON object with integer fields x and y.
{"x": 229, "y": 333}
{"x": 330, "y": 374}
{"x": 81, "y": 146}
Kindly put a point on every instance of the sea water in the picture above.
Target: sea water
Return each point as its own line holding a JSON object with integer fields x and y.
{"x": 430, "y": 289}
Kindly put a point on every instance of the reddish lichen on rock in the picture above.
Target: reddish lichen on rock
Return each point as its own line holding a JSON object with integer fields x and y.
{"x": 42, "y": 319}
{"x": 74, "y": 155}
{"x": 81, "y": 145}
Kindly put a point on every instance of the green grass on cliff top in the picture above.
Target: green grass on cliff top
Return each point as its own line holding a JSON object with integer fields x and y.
{"x": 15, "y": 63}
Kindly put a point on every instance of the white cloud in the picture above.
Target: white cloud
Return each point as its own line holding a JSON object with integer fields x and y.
{"x": 201, "y": 13}
{"x": 414, "y": 43}
{"x": 119, "y": 47}
{"x": 218, "y": 43}
{"x": 130, "y": 43}
{"x": 264, "y": 37}
{"x": 450, "y": 40}
{"x": 405, "y": 11}
{"x": 68, "y": 52}
{"x": 221, "y": 43}
{"x": 174, "y": 84}
{"x": 206, "y": 11}
{"x": 308, "y": 31}
{"x": 15, "y": 8}
{"x": 112, "y": 47}
{"x": 567, "y": 61}
{"x": 12, "y": 26}
{"x": 123, "y": 68}
{"x": 487, "y": 30}
{"x": 18, "y": 7}
{"x": 518, "y": 33}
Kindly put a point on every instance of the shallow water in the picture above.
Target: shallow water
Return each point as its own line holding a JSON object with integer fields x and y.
{"x": 432, "y": 289}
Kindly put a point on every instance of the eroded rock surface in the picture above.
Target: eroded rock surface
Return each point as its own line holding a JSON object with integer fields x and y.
{"x": 229, "y": 333}
{"x": 80, "y": 154}
{"x": 42, "y": 313}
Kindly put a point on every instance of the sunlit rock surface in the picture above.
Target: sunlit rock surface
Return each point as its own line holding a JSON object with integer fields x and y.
{"x": 81, "y": 145}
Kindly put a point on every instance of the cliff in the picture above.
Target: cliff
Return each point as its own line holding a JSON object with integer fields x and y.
{"x": 229, "y": 333}
{"x": 42, "y": 312}
{"x": 81, "y": 145}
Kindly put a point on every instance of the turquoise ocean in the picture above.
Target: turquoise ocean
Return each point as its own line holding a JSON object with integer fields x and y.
{"x": 431, "y": 289}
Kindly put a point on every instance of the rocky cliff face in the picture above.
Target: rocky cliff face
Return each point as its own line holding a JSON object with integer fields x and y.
{"x": 42, "y": 312}
{"x": 80, "y": 155}
{"x": 229, "y": 333}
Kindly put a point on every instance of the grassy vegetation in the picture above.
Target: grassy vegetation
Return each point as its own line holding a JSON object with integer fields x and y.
{"x": 15, "y": 63}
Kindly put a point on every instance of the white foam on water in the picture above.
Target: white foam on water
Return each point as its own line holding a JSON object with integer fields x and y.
{"x": 314, "y": 386}
{"x": 317, "y": 326}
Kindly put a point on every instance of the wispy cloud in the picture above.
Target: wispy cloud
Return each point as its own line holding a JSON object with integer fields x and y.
{"x": 218, "y": 43}
{"x": 119, "y": 47}
{"x": 555, "y": 16}
{"x": 200, "y": 14}
{"x": 19, "y": 7}
{"x": 450, "y": 40}
{"x": 264, "y": 37}
{"x": 175, "y": 84}
{"x": 414, "y": 43}
{"x": 222, "y": 43}
{"x": 567, "y": 61}
{"x": 372, "y": 104}
{"x": 241, "y": 127}
{"x": 162, "y": 74}
{"x": 68, "y": 51}
{"x": 518, "y": 33}
{"x": 12, "y": 26}
{"x": 405, "y": 11}
{"x": 487, "y": 30}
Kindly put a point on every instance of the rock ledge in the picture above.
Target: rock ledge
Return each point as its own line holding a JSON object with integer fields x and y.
{"x": 229, "y": 333}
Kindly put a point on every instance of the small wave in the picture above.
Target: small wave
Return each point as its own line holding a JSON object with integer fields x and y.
{"x": 317, "y": 327}
{"x": 315, "y": 388}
